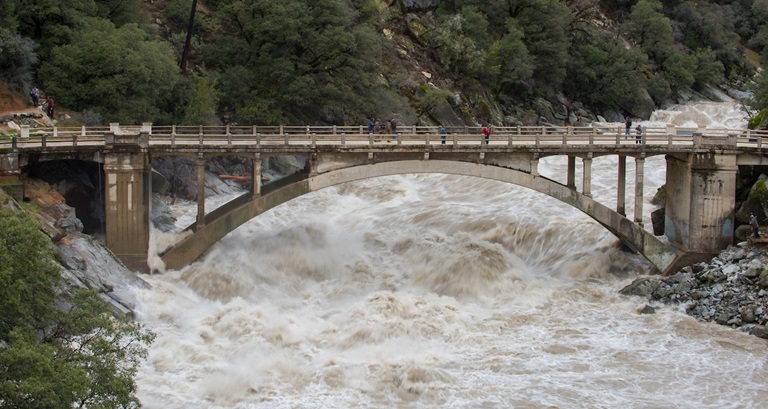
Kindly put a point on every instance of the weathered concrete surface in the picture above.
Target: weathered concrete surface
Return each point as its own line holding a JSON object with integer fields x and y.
{"x": 195, "y": 245}
{"x": 700, "y": 201}
{"x": 128, "y": 200}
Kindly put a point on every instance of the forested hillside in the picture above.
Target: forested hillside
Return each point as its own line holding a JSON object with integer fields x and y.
{"x": 341, "y": 61}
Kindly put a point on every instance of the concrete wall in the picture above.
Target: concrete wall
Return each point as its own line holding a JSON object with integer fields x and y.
{"x": 127, "y": 192}
{"x": 701, "y": 196}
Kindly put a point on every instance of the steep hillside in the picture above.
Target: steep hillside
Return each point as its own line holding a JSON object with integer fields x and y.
{"x": 11, "y": 100}
{"x": 420, "y": 61}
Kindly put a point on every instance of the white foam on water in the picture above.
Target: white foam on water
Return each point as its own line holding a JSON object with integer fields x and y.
{"x": 424, "y": 291}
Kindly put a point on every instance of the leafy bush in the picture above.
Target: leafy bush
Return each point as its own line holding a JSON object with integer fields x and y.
{"x": 17, "y": 59}
{"x": 55, "y": 351}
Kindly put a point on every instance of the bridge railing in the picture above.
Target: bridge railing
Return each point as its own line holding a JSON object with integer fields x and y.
{"x": 594, "y": 134}
{"x": 59, "y": 136}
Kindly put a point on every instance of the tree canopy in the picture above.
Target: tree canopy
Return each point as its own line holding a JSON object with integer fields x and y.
{"x": 337, "y": 61}
{"x": 116, "y": 72}
{"x": 58, "y": 349}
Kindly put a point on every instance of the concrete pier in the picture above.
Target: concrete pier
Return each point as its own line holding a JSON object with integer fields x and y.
{"x": 700, "y": 203}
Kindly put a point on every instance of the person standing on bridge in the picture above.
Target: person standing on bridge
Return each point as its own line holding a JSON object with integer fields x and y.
{"x": 627, "y": 126}
{"x": 487, "y": 131}
{"x": 393, "y": 125}
{"x": 371, "y": 126}
{"x": 755, "y": 226}
{"x": 639, "y": 134}
{"x": 443, "y": 134}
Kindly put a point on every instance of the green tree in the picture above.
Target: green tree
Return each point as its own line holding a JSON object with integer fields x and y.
{"x": 458, "y": 52}
{"x": 605, "y": 73}
{"x": 17, "y": 59}
{"x": 709, "y": 70}
{"x": 52, "y": 22}
{"x": 708, "y": 25}
{"x": 650, "y": 29}
{"x": 544, "y": 25}
{"x": 58, "y": 351}
{"x": 119, "y": 11}
{"x": 201, "y": 109}
{"x": 678, "y": 68}
{"x": 510, "y": 61}
{"x": 295, "y": 60}
{"x": 759, "y": 88}
{"x": 116, "y": 72}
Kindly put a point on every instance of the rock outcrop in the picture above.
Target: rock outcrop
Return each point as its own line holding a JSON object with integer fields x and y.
{"x": 731, "y": 290}
{"x": 85, "y": 262}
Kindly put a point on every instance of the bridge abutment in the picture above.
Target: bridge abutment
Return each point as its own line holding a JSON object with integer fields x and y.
{"x": 128, "y": 200}
{"x": 701, "y": 197}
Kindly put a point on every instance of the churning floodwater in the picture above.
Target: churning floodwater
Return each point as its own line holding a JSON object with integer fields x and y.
{"x": 437, "y": 291}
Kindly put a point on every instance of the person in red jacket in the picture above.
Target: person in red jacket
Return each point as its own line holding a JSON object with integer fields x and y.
{"x": 487, "y": 131}
{"x": 50, "y": 106}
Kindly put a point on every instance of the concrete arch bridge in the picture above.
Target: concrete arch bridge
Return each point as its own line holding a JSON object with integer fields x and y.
{"x": 701, "y": 174}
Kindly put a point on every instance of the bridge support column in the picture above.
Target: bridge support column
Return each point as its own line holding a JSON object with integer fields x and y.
{"x": 639, "y": 178}
{"x": 571, "y": 182}
{"x": 127, "y": 194}
{"x": 535, "y": 165}
{"x": 621, "y": 190}
{"x": 200, "y": 193}
{"x": 701, "y": 196}
{"x": 314, "y": 164}
{"x": 256, "y": 182}
{"x": 587, "y": 176}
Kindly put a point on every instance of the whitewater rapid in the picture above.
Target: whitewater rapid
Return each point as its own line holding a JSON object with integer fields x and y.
{"x": 426, "y": 291}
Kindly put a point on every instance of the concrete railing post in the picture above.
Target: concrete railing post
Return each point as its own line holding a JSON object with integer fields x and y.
{"x": 25, "y": 132}
{"x": 114, "y": 127}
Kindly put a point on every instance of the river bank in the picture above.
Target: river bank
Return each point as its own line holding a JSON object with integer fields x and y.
{"x": 731, "y": 290}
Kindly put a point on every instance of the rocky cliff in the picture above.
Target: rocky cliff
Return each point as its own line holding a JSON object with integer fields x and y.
{"x": 84, "y": 261}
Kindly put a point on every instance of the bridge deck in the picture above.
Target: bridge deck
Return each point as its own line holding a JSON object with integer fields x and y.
{"x": 313, "y": 138}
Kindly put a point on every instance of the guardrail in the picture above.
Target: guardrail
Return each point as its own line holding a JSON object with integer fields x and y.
{"x": 229, "y": 135}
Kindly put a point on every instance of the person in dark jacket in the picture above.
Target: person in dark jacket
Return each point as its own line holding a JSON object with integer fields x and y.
{"x": 50, "y": 106}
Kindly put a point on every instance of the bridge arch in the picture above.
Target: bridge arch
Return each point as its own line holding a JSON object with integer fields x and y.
{"x": 193, "y": 246}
